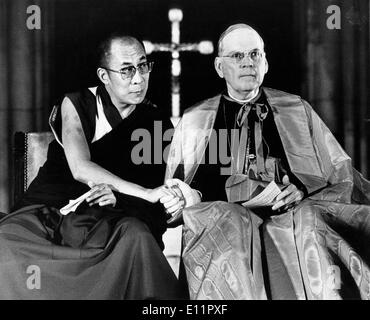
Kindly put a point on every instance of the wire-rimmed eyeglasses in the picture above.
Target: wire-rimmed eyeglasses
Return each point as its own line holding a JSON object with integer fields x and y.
{"x": 255, "y": 55}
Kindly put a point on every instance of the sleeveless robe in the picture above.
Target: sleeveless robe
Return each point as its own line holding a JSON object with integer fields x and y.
{"x": 94, "y": 252}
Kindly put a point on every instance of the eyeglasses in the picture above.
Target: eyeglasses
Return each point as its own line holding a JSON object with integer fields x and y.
{"x": 237, "y": 57}
{"x": 129, "y": 72}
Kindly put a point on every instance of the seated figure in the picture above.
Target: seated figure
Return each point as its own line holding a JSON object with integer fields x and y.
{"x": 110, "y": 247}
{"x": 312, "y": 243}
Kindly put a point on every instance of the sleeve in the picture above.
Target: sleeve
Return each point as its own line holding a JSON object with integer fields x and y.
{"x": 361, "y": 190}
{"x": 335, "y": 163}
{"x": 175, "y": 167}
{"x": 84, "y": 103}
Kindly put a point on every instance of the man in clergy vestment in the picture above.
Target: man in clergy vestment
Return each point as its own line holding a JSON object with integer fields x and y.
{"x": 312, "y": 242}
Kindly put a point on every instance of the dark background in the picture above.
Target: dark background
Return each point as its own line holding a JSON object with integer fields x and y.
{"x": 202, "y": 20}
{"x": 329, "y": 68}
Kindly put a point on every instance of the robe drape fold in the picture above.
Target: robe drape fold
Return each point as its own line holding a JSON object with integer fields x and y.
{"x": 322, "y": 242}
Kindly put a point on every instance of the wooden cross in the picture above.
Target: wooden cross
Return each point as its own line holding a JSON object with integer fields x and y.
{"x": 204, "y": 47}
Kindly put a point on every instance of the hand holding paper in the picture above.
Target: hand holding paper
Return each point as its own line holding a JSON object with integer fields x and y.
{"x": 278, "y": 198}
{"x": 265, "y": 198}
{"x": 99, "y": 194}
{"x": 73, "y": 204}
{"x": 289, "y": 196}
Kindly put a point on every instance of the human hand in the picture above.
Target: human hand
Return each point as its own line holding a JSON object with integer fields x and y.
{"x": 102, "y": 194}
{"x": 173, "y": 202}
{"x": 185, "y": 196}
{"x": 289, "y": 197}
{"x": 153, "y": 195}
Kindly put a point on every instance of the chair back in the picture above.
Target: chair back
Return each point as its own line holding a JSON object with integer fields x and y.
{"x": 30, "y": 152}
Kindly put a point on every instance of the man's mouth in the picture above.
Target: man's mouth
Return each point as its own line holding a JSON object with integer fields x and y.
{"x": 248, "y": 75}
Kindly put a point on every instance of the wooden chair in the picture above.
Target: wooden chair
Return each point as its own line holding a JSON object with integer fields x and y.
{"x": 30, "y": 152}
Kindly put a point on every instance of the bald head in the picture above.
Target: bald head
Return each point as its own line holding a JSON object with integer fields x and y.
{"x": 243, "y": 75}
{"x": 230, "y": 30}
{"x": 105, "y": 47}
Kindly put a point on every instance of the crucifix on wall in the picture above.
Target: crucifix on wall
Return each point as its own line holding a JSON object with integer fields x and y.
{"x": 175, "y": 47}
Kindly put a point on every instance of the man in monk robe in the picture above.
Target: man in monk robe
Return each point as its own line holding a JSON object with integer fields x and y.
{"x": 110, "y": 246}
{"x": 312, "y": 242}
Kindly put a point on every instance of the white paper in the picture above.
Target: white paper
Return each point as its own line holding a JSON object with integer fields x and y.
{"x": 265, "y": 198}
{"x": 73, "y": 204}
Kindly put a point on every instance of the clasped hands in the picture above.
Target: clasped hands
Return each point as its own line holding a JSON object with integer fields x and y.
{"x": 179, "y": 195}
{"x": 175, "y": 195}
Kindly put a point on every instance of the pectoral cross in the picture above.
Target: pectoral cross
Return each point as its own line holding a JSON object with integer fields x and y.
{"x": 175, "y": 47}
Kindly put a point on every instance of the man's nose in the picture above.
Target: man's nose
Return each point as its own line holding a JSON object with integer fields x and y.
{"x": 137, "y": 78}
{"x": 246, "y": 61}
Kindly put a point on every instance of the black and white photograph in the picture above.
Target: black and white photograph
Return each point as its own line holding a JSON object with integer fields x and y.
{"x": 184, "y": 151}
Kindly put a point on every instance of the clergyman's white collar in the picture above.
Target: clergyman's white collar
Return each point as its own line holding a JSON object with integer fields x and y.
{"x": 246, "y": 100}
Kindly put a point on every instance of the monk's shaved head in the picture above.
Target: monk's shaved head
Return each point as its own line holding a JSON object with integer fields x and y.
{"x": 104, "y": 49}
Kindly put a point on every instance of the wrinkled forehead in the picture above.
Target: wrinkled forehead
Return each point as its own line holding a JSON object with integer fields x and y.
{"x": 126, "y": 52}
{"x": 242, "y": 39}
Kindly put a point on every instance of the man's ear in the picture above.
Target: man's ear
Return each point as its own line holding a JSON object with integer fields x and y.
{"x": 266, "y": 66}
{"x": 102, "y": 75}
{"x": 218, "y": 67}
